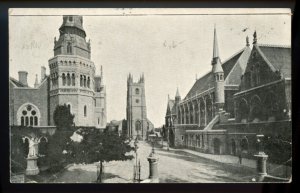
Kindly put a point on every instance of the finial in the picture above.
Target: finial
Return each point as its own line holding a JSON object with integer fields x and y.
{"x": 247, "y": 41}
{"x": 255, "y": 37}
{"x": 177, "y": 93}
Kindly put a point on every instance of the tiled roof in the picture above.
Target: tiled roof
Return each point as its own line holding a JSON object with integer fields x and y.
{"x": 279, "y": 57}
{"x": 17, "y": 83}
{"x": 207, "y": 81}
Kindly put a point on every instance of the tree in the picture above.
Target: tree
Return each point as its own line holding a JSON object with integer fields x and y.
{"x": 98, "y": 146}
{"x": 62, "y": 117}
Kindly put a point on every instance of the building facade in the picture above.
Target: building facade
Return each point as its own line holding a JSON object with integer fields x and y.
{"x": 138, "y": 124}
{"x": 72, "y": 81}
{"x": 248, "y": 94}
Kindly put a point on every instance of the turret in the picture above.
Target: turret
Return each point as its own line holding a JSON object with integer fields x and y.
{"x": 218, "y": 74}
{"x": 177, "y": 96}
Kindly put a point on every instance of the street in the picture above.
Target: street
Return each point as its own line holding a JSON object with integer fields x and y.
{"x": 173, "y": 166}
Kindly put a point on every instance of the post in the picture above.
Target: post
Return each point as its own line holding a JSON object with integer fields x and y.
{"x": 168, "y": 144}
{"x": 152, "y": 159}
{"x": 261, "y": 160}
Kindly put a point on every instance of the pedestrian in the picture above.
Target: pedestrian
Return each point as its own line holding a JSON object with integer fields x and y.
{"x": 240, "y": 157}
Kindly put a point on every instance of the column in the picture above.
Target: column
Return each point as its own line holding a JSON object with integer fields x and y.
{"x": 205, "y": 112}
{"x": 194, "y": 116}
{"x": 199, "y": 111}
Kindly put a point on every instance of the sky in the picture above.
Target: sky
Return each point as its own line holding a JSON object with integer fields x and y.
{"x": 170, "y": 46}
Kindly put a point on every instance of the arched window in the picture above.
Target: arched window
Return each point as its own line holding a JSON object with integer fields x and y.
{"x": 84, "y": 81}
{"x": 28, "y": 115}
{"x": 84, "y": 110}
{"x": 73, "y": 79}
{"x": 88, "y": 82}
{"x": 64, "y": 79}
{"x": 68, "y": 79}
{"x": 81, "y": 80}
{"x": 137, "y": 91}
{"x": 35, "y": 120}
{"x": 22, "y": 121}
{"x": 69, "y": 48}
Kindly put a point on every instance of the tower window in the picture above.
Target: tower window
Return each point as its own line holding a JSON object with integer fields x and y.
{"x": 84, "y": 110}
{"x": 137, "y": 91}
{"x": 73, "y": 79}
{"x": 69, "y": 48}
{"x": 88, "y": 82}
{"x": 68, "y": 79}
{"x": 137, "y": 100}
{"x": 64, "y": 79}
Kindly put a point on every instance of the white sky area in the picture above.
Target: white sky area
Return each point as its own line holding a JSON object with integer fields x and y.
{"x": 169, "y": 49}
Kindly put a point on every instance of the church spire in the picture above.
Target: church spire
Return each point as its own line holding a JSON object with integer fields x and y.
{"x": 216, "y": 63}
{"x": 177, "y": 96}
{"x": 216, "y": 47}
{"x": 36, "y": 84}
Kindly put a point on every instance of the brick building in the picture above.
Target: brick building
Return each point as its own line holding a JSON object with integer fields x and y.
{"x": 246, "y": 95}
{"x": 72, "y": 80}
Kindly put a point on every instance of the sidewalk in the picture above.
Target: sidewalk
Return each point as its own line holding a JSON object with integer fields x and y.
{"x": 272, "y": 169}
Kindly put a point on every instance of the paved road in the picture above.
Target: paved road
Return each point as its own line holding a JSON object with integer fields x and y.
{"x": 173, "y": 166}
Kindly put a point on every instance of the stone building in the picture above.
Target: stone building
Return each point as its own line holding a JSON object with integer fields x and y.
{"x": 246, "y": 95}
{"x": 138, "y": 125}
{"x": 72, "y": 81}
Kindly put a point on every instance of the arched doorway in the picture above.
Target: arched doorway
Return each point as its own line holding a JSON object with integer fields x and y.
{"x": 217, "y": 146}
{"x": 233, "y": 147}
{"x": 138, "y": 129}
{"x": 244, "y": 145}
{"x": 43, "y": 151}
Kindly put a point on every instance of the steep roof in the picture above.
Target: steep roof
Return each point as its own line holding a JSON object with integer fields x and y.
{"x": 207, "y": 81}
{"x": 16, "y": 82}
{"x": 279, "y": 57}
{"x": 171, "y": 107}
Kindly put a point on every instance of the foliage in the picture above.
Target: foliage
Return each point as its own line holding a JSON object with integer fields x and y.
{"x": 56, "y": 145}
{"x": 278, "y": 149}
{"x": 98, "y": 146}
{"x": 62, "y": 117}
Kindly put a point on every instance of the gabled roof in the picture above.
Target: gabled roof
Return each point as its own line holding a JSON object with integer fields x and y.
{"x": 207, "y": 81}
{"x": 171, "y": 107}
{"x": 16, "y": 82}
{"x": 277, "y": 56}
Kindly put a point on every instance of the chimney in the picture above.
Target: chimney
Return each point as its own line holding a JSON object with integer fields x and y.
{"x": 43, "y": 73}
{"x": 23, "y": 77}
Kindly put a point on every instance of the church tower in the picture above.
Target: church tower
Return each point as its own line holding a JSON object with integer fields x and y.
{"x": 136, "y": 113}
{"x": 218, "y": 73}
{"x": 72, "y": 75}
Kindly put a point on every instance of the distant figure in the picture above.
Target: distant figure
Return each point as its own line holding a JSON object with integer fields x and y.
{"x": 240, "y": 157}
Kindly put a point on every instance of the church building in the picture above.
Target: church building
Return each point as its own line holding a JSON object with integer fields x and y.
{"x": 246, "y": 95}
{"x": 138, "y": 125}
{"x": 72, "y": 80}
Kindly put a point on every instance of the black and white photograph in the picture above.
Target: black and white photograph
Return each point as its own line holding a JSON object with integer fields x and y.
{"x": 150, "y": 95}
